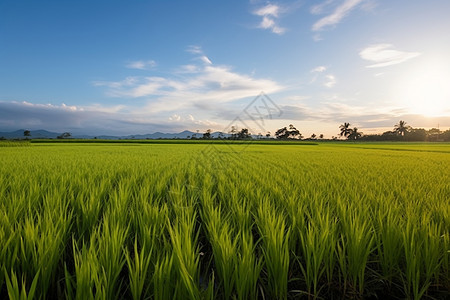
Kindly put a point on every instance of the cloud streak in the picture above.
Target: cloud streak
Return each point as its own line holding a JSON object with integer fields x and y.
{"x": 336, "y": 16}
{"x": 141, "y": 64}
{"x": 383, "y": 55}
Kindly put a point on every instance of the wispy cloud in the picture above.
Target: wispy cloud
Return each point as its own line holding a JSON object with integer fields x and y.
{"x": 190, "y": 86}
{"x": 194, "y": 49}
{"x": 270, "y": 13}
{"x": 383, "y": 55}
{"x": 200, "y": 55}
{"x": 141, "y": 64}
{"x": 328, "y": 80}
{"x": 340, "y": 12}
{"x": 319, "y": 8}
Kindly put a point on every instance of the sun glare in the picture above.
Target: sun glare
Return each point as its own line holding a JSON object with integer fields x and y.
{"x": 425, "y": 89}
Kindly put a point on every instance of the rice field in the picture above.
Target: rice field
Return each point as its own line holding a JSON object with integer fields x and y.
{"x": 224, "y": 221}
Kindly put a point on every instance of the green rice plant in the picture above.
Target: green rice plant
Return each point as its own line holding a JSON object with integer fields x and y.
{"x": 422, "y": 257}
{"x": 87, "y": 271}
{"x": 354, "y": 247}
{"x": 388, "y": 241}
{"x": 445, "y": 265}
{"x": 164, "y": 277}
{"x": 318, "y": 242}
{"x": 275, "y": 248}
{"x": 17, "y": 292}
{"x": 186, "y": 255}
{"x": 248, "y": 268}
{"x": 9, "y": 239}
{"x": 111, "y": 258}
{"x": 224, "y": 246}
{"x": 43, "y": 239}
{"x": 88, "y": 206}
{"x": 138, "y": 269}
{"x": 150, "y": 224}
{"x": 99, "y": 263}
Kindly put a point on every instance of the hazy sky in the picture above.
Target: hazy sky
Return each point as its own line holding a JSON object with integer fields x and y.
{"x": 131, "y": 67}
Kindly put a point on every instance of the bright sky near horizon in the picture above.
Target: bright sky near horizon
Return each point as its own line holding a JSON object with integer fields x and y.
{"x": 135, "y": 67}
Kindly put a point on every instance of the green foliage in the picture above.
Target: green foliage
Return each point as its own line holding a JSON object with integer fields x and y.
{"x": 203, "y": 221}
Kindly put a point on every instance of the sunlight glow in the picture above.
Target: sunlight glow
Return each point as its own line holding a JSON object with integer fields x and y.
{"x": 425, "y": 88}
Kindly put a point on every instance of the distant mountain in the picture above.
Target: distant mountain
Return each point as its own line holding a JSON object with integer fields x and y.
{"x": 160, "y": 135}
{"x": 35, "y": 134}
{"x": 44, "y": 134}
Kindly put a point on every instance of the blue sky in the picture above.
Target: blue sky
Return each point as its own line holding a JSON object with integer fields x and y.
{"x": 133, "y": 67}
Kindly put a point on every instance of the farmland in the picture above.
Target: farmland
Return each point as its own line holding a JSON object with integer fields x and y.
{"x": 224, "y": 221}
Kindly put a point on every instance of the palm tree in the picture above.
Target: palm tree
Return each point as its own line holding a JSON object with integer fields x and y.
{"x": 354, "y": 134}
{"x": 345, "y": 129}
{"x": 401, "y": 128}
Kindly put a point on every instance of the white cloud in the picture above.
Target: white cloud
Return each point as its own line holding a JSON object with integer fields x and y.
{"x": 269, "y": 14}
{"x": 330, "y": 81}
{"x": 187, "y": 69}
{"x": 175, "y": 117}
{"x": 141, "y": 64}
{"x": 268, "y": 10}
{"x": 319, "y": 69}
{"x": 337, "y": 15}
{"x": 206, "y": 60}
{"x": 383, "y": 55}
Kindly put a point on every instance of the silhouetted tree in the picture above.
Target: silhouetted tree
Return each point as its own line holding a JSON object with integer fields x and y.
{"x": 445, "y": 136}
{"x": 321, "y": 136}
{"x": 433, "y": 134}
{"x": 291, "y": 133}
{"x": 233, "y": 132}
{"x": 313, "y": 136}
{"x": 282, "y": 133}
{"x": 268, "y": 134}
{"x": 354, "y": 134}
{"x": 345, "y": 129}
{"x": 416, "y": 134}
{"x": 243, "y": 134}
{"x": 26, "y": 133}
{"x": 66, "y": 135}
{"x": 207, "y": 134}
{"x": 401, "y": 128}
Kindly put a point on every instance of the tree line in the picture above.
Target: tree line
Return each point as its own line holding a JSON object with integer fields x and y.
{"x": 401, "y": 132}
